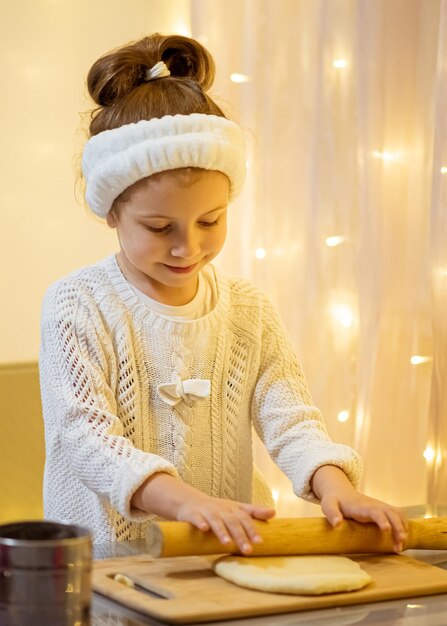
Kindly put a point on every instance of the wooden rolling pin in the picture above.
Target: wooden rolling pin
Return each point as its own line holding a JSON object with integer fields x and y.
{"x": 311, "y": 535}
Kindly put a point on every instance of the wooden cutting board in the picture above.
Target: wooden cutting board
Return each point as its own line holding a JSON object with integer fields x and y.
{"x": 189, "y": 591}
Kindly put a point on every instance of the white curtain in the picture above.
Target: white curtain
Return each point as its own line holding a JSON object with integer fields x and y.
{"x": 343, "y": 219}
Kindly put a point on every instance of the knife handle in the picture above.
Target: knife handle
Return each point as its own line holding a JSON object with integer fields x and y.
{"x": 293, "y": 536}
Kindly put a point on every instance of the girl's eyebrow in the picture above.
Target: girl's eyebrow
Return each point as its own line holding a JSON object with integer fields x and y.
{"x": 169, "y": 217}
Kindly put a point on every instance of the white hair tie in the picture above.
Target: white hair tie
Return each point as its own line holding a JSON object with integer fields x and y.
{"x": 116, "y": 159}
{"x": 160, "y": 70}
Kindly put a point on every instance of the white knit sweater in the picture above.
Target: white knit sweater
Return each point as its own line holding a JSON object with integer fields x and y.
{"x": 104, "y": 355}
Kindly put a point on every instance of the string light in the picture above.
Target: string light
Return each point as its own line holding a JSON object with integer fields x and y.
{"x": 429, "y": 454}
{"x": 335, "y": 240}
{"x": 444, "y": 170}
{"x": 387, "y": 156}
{"x": 339, "y": 63}
{"x": 275, "y": 495}
{"x": 343, "y": 314}
{"x": 240, "y": 78}
{"x": 260, "y": 253}
{"x": 343, "y": 416}
{"x": 416, "y": 359}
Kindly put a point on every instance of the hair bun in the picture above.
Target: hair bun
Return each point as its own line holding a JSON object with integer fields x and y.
{"x": 117, "y": 82}
{"x": 120, "y": 71}
{"x": 187, "y": 58}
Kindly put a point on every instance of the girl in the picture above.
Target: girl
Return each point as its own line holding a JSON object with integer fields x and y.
{"x": 154, "y": 366}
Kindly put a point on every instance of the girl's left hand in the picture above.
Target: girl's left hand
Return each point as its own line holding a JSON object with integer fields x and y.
{"x": 339, "y": 499}
{"x": 361, "y": 508}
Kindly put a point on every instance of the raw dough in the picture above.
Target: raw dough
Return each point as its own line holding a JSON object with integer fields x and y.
{"x": 304, "y": 575}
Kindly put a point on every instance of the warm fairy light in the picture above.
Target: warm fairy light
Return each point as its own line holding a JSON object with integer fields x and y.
{"x": 433, "y": 456}
{"x": 343, "y": 416}
{"x": 343, "y": 314}
{"x": 444, "y": 170}
{"x": 240, "y": 78}
{"x": 429, "y": 454}
{"x": 339, "y": 63}
{"x": 387, "y": 156}
{"x": 417, "y": 359}
{"x": 275, "y": 495}
{"x": 260, "y": 253}
{"x": 247, "y": 164}
{"x": 415, "y": 606}
{"x": 335, "y": 240}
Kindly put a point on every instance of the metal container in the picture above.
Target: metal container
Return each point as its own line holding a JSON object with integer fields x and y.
{"x": 45, "y": 574}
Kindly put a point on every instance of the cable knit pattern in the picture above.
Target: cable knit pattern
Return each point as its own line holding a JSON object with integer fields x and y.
{"x": 103, "y": 356}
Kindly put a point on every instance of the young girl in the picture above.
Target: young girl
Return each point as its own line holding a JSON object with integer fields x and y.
{"x": 154, "y": 366}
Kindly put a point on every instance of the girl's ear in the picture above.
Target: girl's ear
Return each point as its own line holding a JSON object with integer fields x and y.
{"x": 111, "y": 219}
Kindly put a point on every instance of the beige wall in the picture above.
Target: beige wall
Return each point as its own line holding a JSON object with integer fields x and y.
{"x": 46, "y": 49}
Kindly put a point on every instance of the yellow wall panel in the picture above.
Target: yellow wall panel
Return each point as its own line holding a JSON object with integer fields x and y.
{"x": 22, "y": 453}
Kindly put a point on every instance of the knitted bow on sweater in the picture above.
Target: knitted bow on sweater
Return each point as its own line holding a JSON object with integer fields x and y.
{"x": 186, "y": 390}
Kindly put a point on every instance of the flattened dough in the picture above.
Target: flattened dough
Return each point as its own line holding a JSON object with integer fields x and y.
{"x": 303, "y": 575}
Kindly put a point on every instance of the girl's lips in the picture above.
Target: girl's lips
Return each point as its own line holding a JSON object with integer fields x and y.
{"x": 180, "y": 270}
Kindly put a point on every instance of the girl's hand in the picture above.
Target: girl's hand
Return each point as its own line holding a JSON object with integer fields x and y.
{"x": 339, "y": 499}
{"x": 171, "y": 498}
{"x": 362, "y": 508}
{"x": 229, "y": 520}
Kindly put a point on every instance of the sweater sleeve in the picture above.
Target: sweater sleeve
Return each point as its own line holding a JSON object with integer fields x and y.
{"x": 292, "y": 428}
{"x": 78, "y": 376}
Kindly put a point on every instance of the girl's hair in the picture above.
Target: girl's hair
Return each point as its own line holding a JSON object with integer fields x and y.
{"x": 116, "y": 82}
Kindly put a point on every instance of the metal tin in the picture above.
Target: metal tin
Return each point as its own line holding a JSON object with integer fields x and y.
{"x": 45, "y": 574}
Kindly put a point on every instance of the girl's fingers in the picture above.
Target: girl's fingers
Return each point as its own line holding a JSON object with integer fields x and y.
{"x": 199, "y": 522}
{"x": 331, "y": 509}
{"x": 219, "y": 529}
{"x": 258, "y": 512}
{"x": 239, "y": 523}
{"x": 379, "y": 517}
{"x": 251, "y": 531}
{"x": 230, "y": 529}
{"x": 399, "y": 527}
{"x": 387, "y": 518}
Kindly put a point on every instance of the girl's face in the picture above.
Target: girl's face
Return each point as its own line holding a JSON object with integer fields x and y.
{"x": 169, "y": 226}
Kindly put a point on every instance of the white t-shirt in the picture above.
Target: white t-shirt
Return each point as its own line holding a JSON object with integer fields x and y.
{"x": 203, "y": 302}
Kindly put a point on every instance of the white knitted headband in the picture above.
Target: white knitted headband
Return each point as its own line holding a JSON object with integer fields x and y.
{"x": 115, "y": 159}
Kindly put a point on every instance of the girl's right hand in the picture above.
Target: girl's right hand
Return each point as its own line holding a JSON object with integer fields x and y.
{"x": 229, "y": 520}
{"x": 171, "y": 498}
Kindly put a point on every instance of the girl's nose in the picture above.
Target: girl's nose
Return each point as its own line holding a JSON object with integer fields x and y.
{"x": 187, "y": 247}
